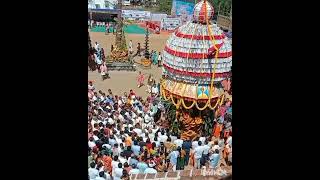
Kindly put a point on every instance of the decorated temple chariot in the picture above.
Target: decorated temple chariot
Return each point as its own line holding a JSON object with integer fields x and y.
{"x": 197, "y": 61}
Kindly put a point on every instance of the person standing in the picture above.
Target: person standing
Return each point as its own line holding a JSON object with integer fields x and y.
{"x": 130, "y": 47}
{"x": 198, "y": 154}
{"x": 92, "y": 171}
{"x": 111, "y": 48}
{"x": 98, "y": 61}
{"x": 104, "y": 71}
{"x": 181, "y": 158}
{"x": 138, "y": 50}
{"x": 173, "y": 156}
{"x": 214, "y": 159}
{"x": 107, "y": 29}
{"x": 155, "y": 58}
{"x": 97, "y": 46}
{"x": 159, "y": 60}
{"x": 140, "y": 79}
{"x": 186, "y": 145}
{"x": 149, "y": 83}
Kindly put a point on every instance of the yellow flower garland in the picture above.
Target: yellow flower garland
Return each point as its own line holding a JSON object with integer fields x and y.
{"x": 186, "y": 107}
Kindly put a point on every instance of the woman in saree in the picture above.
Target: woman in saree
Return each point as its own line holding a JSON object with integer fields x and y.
{"x": 140, "y": 79}
{"x": 217, "y": 130}
{"x": 155, "y": 58}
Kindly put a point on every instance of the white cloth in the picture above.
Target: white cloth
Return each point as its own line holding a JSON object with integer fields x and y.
{"x": 118, "y": 173}
{"x": 198, "y": 152}
{"x": 154, "y": 90}
{"x": 134, "y": 171}
{"x": 178, "y": 142}
{"x": 93, "y": 173}
{"x": 163, "y": 138}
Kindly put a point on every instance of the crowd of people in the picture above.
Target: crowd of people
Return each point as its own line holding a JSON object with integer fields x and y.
{"x": 125, "y": 137}
{"x": 97, "y": 60}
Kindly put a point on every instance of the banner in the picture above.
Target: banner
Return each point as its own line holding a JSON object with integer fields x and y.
{"x": 158, "y": 17}
{"x": 170, "y": 23}
{"x": 183, "y": 9}
{"x": 136, "y": 15}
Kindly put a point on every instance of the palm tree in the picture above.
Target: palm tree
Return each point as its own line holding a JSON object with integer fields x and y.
{"x": 170, "y": 109}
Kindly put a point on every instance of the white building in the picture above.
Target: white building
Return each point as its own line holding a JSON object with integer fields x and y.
{"x": 102, "y": 4}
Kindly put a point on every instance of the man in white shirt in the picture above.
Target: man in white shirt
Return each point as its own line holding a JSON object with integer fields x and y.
{"x": 216, "y": 146}
{"x": 195, "y": 143}
{"x": 198, "y": 154}
{"x": 154, "y": 90}
{"x": 178, "y": 142}
{"x": 114, "y": 164}
{"x": 130, "y": 47}
{"x": 118, "y": 172}
{"x": 97, "y": 46}
{"x": 205, "y": 153}
{"x": 163, "y": 138}
{"x": 91, "y": 143}
{"x": 103, "y": 176}
{"x": 202, "y": 139}
{"x": 122, "y": 159}
{"x": 93, "y": 172}
{"x": 138, "y": 131}
{"x": 148, "y": 118}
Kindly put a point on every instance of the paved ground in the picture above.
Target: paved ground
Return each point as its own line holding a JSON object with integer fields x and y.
{"x": 122, "y": 81}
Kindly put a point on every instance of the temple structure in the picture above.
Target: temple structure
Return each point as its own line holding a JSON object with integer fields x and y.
{"x": 197, "y": 62}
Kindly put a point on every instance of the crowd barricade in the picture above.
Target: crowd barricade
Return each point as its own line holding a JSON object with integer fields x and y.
{"x": 192, "y": 174}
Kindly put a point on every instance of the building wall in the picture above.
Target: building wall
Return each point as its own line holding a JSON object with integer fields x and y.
{"x": 102, "y": 3}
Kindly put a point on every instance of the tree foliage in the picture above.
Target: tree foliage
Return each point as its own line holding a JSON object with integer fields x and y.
{"x": 225, "y": 6}
{"x": 165, "y": 6}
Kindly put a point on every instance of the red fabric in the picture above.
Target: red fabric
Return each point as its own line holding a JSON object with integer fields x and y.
{"x": 149, "y": 146}
{"x": 195, "y": 74}
{"x": 202, "y": 17}
{"x": 197, "y": 55}
{"x": 198, "y": 37}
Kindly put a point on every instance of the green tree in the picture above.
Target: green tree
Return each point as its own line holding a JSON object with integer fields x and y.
{"x": 165, "y": 6}
{"x": 225, "y": 6}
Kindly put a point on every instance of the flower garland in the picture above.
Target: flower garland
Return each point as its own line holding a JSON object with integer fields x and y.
{"x": 186, "y": 107}
{"x": 174, "y": 103}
